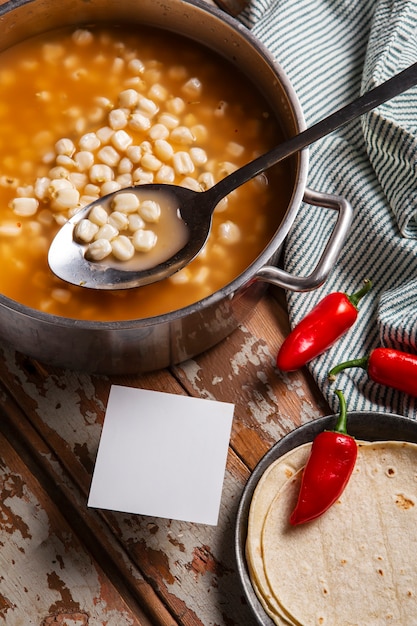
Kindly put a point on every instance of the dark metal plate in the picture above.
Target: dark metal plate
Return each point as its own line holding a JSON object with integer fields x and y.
{"x": 367, "y": 426}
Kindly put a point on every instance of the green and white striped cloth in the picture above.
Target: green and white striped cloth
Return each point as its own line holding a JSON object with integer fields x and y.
{"x": 332, "y": 50}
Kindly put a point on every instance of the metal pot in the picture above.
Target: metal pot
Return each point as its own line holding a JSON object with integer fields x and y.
{"x": 157, "y": 342}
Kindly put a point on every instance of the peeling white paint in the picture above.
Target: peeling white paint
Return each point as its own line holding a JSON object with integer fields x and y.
{"x": 33, "y": 556}
{"x": 191, "y": 369}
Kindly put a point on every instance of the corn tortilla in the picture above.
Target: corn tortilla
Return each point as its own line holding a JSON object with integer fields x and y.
{"x": 356, "y": 564}
{"x": 270, "y": 482}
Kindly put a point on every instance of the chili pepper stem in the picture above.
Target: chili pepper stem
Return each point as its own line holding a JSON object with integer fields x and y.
{"x": 361, "y": 362}
{"x": 341, "y": 424}
{"x": 355, "y": 297}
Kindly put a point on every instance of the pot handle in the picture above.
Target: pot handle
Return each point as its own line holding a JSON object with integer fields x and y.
{"x": 280, "y": 278}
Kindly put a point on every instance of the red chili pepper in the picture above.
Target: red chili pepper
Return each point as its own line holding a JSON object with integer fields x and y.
{"x": 386, "y": 366}
{"x": 320, "y": 328}
{"x": 327, "y": 472}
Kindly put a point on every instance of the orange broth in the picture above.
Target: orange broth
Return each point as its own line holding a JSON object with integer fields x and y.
{"x": 63, "y": 85}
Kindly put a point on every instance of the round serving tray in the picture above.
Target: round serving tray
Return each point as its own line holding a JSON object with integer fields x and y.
{"x": 368, "y": 426}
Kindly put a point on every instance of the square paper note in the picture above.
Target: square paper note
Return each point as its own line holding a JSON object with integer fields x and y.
{"x": 162, "y": 455}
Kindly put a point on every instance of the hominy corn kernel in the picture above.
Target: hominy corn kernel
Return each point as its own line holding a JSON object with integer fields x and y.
{"x": 89, "y": 142}
{"x": 200, "y": 132}
{"x": 58, "y": 172}
{"x": 198, "y": 156}
{"x": 100, "y": 173}
{"x": 150, "y": 211}
{"x": 65, "y": 146}
{"x": 206, "y": 180}
{"x": 118, "y": 220}
{"x": 165, "y": 174}
{"x": 78, "y": 179}
{"x": 65, "y": 161}
{"x": 134, "y": 153}
{"x": 147, "y": 107}
{"x": 142, "y": 177}
{"x": 98, "y": 250}
{"x": 144, "y": 240}
{"x": 182, "y": 135}
{"x": 8, "y": 182}
{"x": 85, "y": 231}
{"x": 98, "y": 215}
{"x": 10, "y": 229}
{"x": 124, "y": 180}
{"x": 150, "y": 162}
{"x": 125, "y": 166}
{"x": 107, "y": 231}
{"x": 137, "y": 121}
{"x": 146, "y": 147}
{"x": 122, "y": 248}
{"x": 84, "y": 200}
{"x": 135, "y": 222}
{"x": 229, "y": 232}
{"x": 235, "y": 149}
{"x": 121, "y": 140}
{"x": 91, "y": 189}
{"x": 181, "y": 278}
{"x": 110, "y": 187}
{"x": 118, "y": 65}
{"x": 61, "y": 295}
{"x": 220, "y": 110}
{"x": 66, "y": 198}
{"x": 182, "y": 163}
{"x": 168, "y": 120}
{"x": 191, "y": 183}
{"x": 126, "y": 202}
{"x": 175, "y": 106}
{"x": 83, "y": 160}
{"x": 192, "y": 88}
{"x": 24, "y": 206}
{"x": 82, "y": 37}
{"x": 109, "y": 156}
{"x": 128, "y": 98}
{"x": 104, "y": 134}
{"x": 158, "y": 92}
{"x": 57, "y": 184}
{"x": 225, "y": 168}
{"x": 158, "y": 131}
{"x": 136, "y": 66}
{"x": 25, "y": 191}
{"x": 163, "y": 150}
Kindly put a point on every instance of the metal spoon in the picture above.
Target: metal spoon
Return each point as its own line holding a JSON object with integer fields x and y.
{"x": 66, "y": 257}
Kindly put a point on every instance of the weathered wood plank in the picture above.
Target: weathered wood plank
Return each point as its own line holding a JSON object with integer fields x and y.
{"x": 44, "y": 471}
{"x": 242, "y": 370}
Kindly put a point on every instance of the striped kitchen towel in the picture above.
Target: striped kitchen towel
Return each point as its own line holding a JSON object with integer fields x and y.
{"x": 332, "y": 50}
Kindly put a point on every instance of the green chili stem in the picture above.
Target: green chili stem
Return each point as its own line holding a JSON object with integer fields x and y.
{"x": 355, "y": 297}
{"x": 341, "y": 425}
{"x": 361, "y": 362}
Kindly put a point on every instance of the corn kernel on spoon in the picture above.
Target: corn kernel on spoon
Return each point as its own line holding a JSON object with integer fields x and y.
{"x": 190, "y": 211}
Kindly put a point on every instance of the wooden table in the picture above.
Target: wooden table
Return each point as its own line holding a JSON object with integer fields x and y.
{"x": 64, "y": 564}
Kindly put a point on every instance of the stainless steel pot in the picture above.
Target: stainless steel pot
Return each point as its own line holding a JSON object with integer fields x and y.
{"x": 153, "y": 343}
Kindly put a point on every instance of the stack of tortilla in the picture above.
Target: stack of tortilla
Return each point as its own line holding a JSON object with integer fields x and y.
{"x": 356, "y": 565}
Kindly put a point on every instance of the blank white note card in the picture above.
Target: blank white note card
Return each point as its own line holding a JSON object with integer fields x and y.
{"x": 162, "y": 454}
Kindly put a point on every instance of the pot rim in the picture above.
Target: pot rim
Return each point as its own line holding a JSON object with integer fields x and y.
{"x": 249, "y": 274}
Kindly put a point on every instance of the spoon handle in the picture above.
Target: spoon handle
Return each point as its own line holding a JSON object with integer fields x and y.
{"x": 368, "y": 101}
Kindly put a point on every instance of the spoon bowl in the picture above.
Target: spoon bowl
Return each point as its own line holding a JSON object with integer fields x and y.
{"x": 67, "y": 259}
